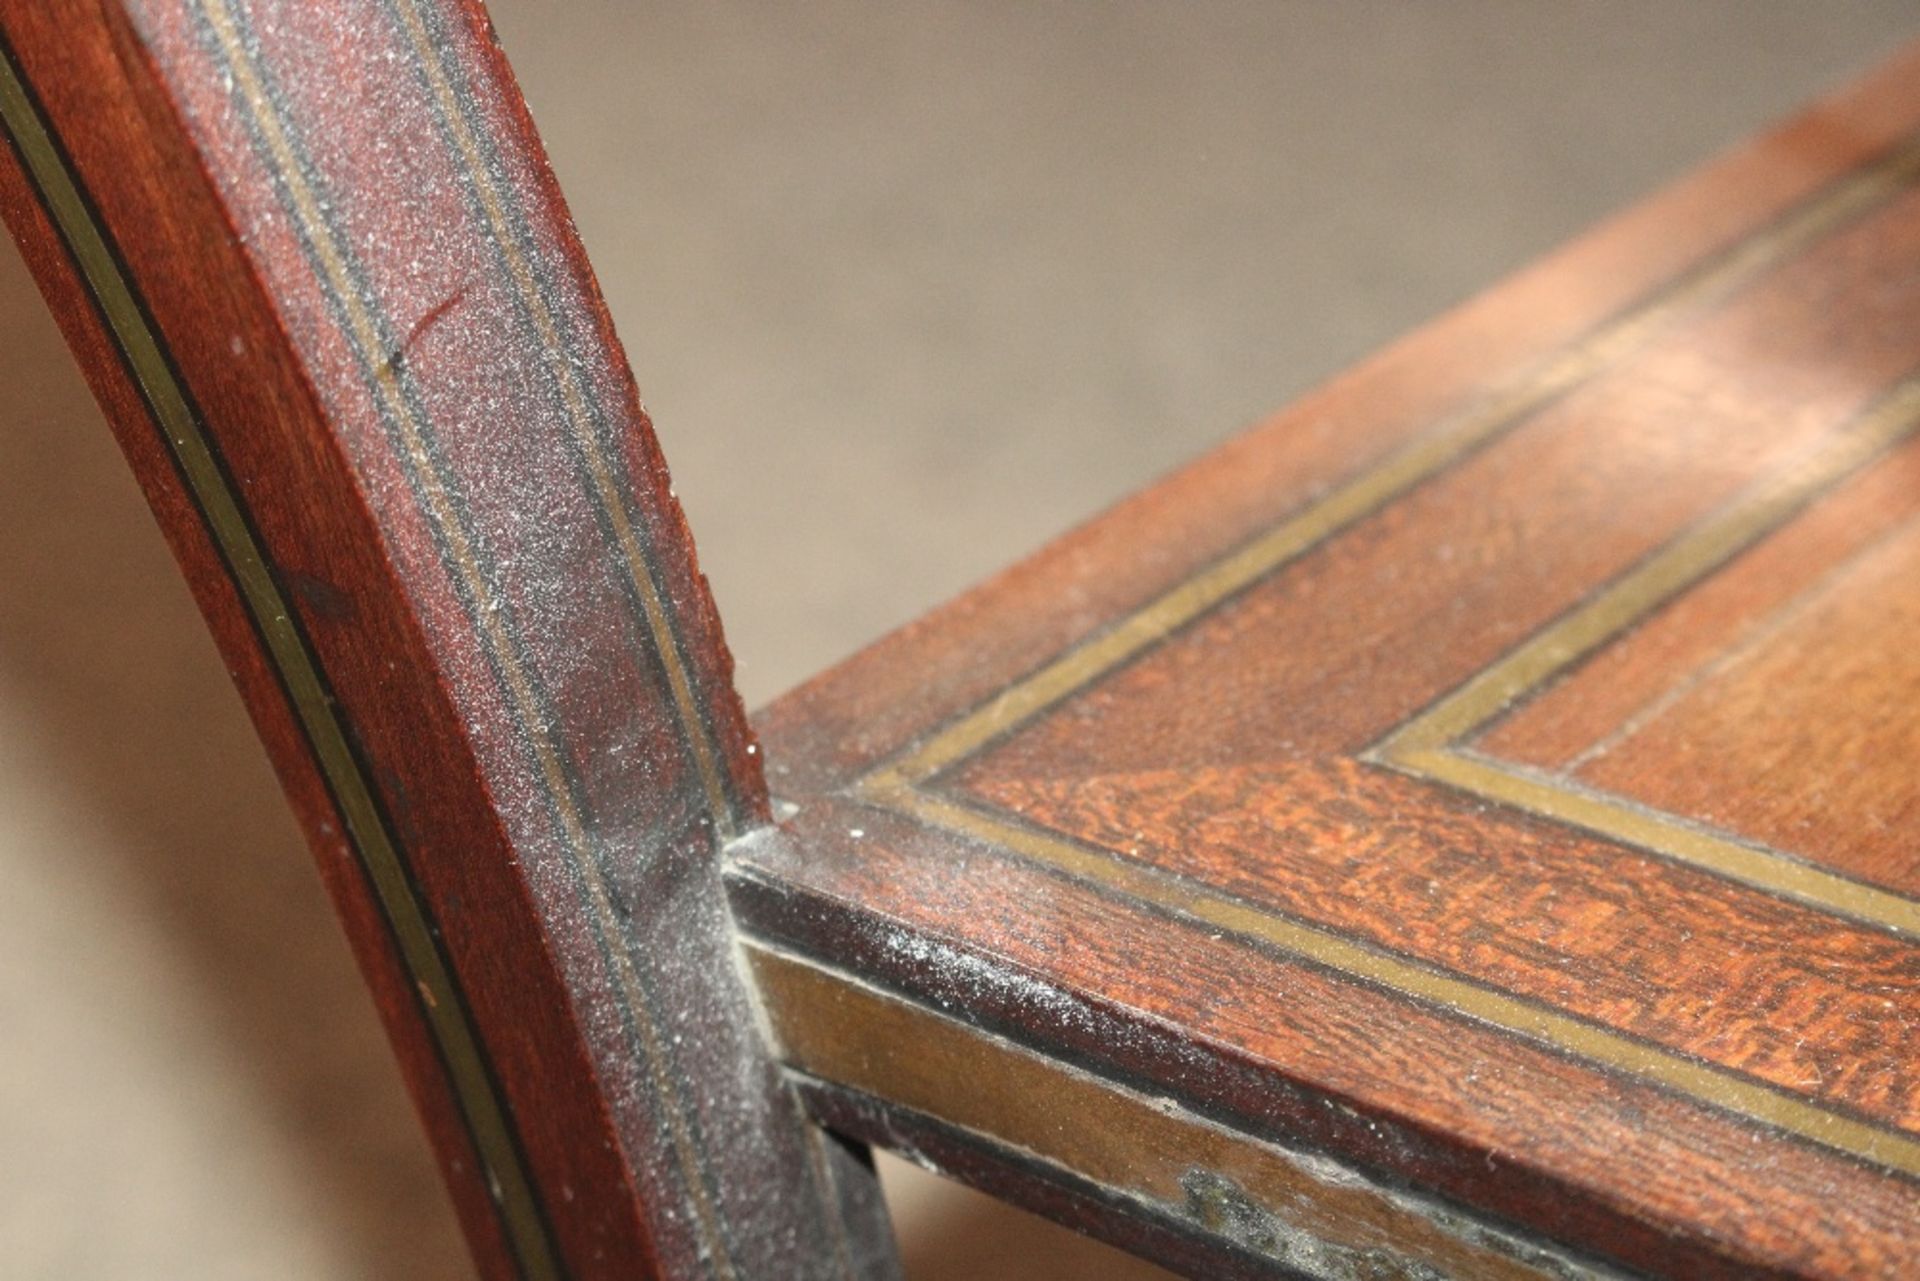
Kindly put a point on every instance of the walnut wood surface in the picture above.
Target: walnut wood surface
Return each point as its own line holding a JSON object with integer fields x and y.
{"x": 1495, "y": 773}
{"x": 312, "y": 260}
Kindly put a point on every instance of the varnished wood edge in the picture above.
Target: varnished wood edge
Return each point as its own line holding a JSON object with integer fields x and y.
{"x": 1427, "y": 745}
{"x": 391, "y": 385}
{"x": 1282, "y": 1211}
{"x": 370, "y": 833}
{"x": 1639, "y": 1060}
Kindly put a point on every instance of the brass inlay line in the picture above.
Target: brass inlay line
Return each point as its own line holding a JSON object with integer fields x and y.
{"x": 606, "y": 487}
{"x": 1681, "y": 1073}
{"x": 1453, "y": 438}
{"x": 634, "y": 561}
{"x": 442, "y": 1010}
{"x": 331, "y": 257}
{"x": 1426, "y": 745}
{"x": 1576, "y": 806}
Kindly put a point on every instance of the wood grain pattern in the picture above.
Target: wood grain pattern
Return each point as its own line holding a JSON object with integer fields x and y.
{"x": 1303, "y": 789}
{"x": 312, "y": 260}
{"x": 1801, "y": 738}
{"x": 1456, "y": 829}
{"x": 1610, "y": 691}
{"x": 1590, "y": 929}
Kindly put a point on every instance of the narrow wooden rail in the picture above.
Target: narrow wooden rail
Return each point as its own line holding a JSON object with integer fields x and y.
{"x": 319, "y": 276}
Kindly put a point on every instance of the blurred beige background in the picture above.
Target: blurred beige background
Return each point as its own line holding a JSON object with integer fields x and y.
{"x": 909, "y": 288}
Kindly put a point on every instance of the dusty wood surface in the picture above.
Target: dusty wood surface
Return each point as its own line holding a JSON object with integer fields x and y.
{"x": 318, "y": 274}
{"x": 1493, "y": 773}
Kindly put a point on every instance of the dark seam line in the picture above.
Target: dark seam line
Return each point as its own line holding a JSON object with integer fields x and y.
{"x": 1117, "y": 1201}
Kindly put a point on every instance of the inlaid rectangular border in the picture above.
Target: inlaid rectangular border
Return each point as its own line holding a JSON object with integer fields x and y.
{"x": 1430, "y": 745}
{"x": 1433, "y": 745}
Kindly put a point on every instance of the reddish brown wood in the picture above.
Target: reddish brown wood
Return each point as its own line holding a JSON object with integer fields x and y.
{"x": 1458, "y": 826}
{"x": 412, "y": 485}
{"x": 1561, "y": 724}
{"x": 1801, "y": 736}
{"x": 1494, "y": 774}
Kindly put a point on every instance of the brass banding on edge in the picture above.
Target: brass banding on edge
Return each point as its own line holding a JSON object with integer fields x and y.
{"x": 1154, "y": 1152}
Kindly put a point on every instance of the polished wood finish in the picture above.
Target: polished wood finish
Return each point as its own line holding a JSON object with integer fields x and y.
{"x": 1461, "y": 828}
{"x": 1488, "y": 787}
{"x": 312, "y": 260}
